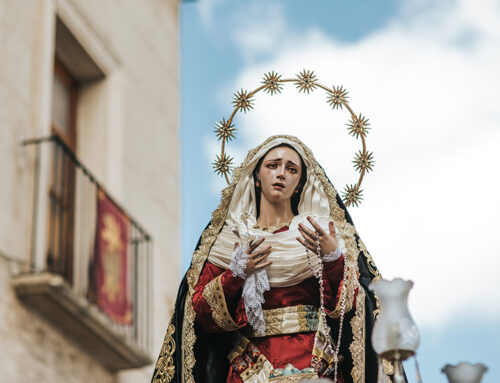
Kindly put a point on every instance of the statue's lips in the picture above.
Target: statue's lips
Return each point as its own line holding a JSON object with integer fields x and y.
{"x": 278, "y": 185}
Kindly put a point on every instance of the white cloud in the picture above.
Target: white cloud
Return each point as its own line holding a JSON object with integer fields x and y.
{"x": 257, "y": 32}
{"x": 429, "y": 84}
{"x": 206, "y": 11}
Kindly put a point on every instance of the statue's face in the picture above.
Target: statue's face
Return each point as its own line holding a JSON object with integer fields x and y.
{"x": 279, "y": 174}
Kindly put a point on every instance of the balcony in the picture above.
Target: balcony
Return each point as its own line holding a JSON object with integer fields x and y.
{"x": 89, "y": 270}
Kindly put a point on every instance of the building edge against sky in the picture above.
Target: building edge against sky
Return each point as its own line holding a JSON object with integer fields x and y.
{"x": 102, "y": 77}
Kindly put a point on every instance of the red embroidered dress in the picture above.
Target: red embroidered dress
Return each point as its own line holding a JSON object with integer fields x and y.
{"x": 291, "y": 316}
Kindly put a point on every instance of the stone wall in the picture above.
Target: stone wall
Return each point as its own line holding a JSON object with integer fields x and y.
{"x": 127, "y": 128}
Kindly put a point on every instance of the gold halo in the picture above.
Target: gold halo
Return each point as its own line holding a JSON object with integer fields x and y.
{"x": 305, "y": 82}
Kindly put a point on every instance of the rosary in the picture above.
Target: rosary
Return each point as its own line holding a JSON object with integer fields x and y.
{"x": 318, "y": 273}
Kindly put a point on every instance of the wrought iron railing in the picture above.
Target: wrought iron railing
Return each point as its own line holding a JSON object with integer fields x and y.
{"x": 70, "y": 199}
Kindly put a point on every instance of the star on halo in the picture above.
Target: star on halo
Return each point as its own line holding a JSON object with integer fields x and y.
{"x": 358, "y": 126}
{"x": 225, "y": 130}
{"x": 243, "y": 100}
{"x": 306, "y": 81}
{"x": 272, "y": 83}
{"x": 222, "y": 164}
{"x": 352, "y": 195}
{"x": 363, "y": 161}
{"x": 337, "y": 97}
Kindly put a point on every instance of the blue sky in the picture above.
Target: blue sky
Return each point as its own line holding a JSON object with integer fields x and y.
{"x": 426, "y": 75}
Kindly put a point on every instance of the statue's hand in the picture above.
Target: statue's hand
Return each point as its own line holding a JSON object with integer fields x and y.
{"x": 328, "y": 241}
{"x": 256, "y": 258}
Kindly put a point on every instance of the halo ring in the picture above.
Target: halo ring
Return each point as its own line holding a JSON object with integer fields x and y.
{"x": 305, "y": 82}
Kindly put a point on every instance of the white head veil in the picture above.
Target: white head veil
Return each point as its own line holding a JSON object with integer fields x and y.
{"x": 288, "y": 256}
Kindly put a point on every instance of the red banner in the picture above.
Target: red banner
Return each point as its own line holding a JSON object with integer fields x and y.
{"x": 109, "y": 267}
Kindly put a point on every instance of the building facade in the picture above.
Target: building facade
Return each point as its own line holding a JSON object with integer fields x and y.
{"x": 89, "y": 196}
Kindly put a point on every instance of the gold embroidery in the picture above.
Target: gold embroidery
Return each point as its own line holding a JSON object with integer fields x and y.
{"x": 369, "y": 261}
{"x": 239, "y": 346}
{"x": 254, "y": 369}
{"x": 357, "y": 347}
{"x": 289, "y": 320}
{"x": 272, "y": 229}
{"x": 344, "y": 229}
{"x": 188, "y": 339}
{"x": 374, "y": 271}
{"x": 294, "y": 378}
{"x": 214, "y": 295}
{"x": 165, "y": 367}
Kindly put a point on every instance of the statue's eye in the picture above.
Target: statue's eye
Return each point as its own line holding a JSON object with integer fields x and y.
{"x": 293, "y": 170}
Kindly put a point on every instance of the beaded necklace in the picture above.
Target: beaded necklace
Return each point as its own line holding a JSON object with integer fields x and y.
{"x": 318, "y": 273}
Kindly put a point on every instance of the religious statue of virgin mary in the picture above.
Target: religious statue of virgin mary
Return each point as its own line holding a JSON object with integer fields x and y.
{"x": 277, "y": 289}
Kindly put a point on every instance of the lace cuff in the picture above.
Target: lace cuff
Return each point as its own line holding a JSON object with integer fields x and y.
{"x": 239, "y": 262}
{"x": 333, "y": 256}
{"x": 253, "y": 295}
{"x": 253, "y": 289}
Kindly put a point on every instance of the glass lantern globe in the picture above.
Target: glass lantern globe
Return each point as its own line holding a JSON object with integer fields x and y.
{"x": 465, "y": 372}
{"x": 395, "y": 335}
